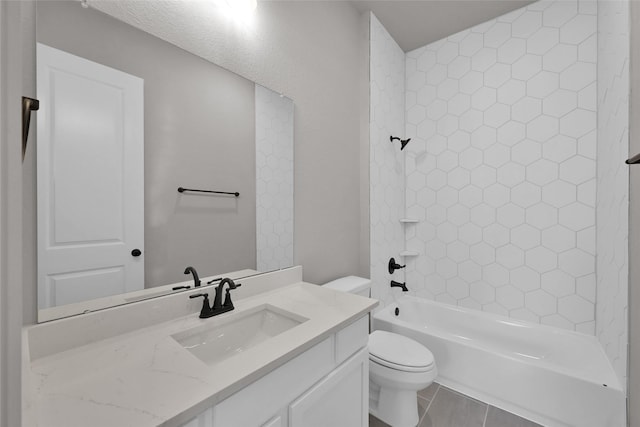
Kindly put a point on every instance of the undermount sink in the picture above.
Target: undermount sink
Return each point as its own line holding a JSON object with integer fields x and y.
{"x": 238, "y": 333}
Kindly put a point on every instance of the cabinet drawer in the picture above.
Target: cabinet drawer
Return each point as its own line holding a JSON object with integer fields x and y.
{"x": 351, "y": 339}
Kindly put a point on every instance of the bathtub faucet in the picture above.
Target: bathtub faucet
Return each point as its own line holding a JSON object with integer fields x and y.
{"x": 393, "y": 266}
{"x": 395, "y": 284}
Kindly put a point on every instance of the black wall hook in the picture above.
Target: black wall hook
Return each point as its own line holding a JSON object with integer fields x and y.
{"x": 403, "y": 142}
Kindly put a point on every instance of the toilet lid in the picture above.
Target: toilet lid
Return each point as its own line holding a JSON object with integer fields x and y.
{"x": 399, "y": 352}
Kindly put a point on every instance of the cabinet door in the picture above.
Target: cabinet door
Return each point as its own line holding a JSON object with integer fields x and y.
{"x": 261, "y": 401}
{"x": 341, "y": 399}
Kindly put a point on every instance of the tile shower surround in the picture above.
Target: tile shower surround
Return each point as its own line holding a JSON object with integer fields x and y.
{"x": 386, "y": 161}
{"x": 501, "y": 171}
{"x": 612, "y": 205}
{"x": 510, "y": 207}
{"x": 274, "y": 180}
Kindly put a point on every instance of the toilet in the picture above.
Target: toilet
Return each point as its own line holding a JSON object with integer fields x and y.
{"x": 398, "y": 367}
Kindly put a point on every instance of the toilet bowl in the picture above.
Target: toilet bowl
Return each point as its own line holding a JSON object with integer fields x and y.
{"x": 398, "y": 367}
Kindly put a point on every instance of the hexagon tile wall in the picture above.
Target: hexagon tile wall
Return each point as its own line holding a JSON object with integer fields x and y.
{"x": 387, "y": 63}
{"x": 502, "y": 169}
{"x": 612, "y": 207}
{"x": 274, "y": 180}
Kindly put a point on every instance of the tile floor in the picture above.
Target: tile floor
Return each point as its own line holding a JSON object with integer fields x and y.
{"x": 439, "y": 406}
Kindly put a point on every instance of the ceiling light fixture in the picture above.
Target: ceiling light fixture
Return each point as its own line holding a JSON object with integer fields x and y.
{"x": 239, "y": 10}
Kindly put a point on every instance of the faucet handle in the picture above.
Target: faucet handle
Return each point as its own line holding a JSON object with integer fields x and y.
{"x": 227, "y": 297}
{"x": 205, "y": 311}
{"x": 231, "y": 283}
{"x": 393, "y": 266}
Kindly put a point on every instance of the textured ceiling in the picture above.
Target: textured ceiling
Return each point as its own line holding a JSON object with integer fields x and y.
{"x": 416, "y": 23}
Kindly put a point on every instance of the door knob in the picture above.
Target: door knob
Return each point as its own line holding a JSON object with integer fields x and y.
{"x": 136, "y": 252}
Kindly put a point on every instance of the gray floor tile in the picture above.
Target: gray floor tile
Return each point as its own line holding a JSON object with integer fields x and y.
{"x": 499, "y": 418}
{"x": 374, "y": 422}
{"x": 462, "y": 394}
{"x": 428, "y": 392}
{"x": 423, "y": 404}
{"x": 450, "y": 409}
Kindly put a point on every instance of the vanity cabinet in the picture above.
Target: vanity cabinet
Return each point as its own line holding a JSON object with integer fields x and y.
{"x": 327, "y": 385}
{"x": 339, "y": 399}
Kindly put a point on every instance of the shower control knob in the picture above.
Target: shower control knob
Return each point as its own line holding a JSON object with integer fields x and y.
{"x": 393, "y": 266}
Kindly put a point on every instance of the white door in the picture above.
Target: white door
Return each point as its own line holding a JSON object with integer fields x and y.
{"x": 90, "y": 167}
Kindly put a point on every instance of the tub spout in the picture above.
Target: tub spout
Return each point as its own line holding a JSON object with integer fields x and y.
{"x": 395, "y": 284}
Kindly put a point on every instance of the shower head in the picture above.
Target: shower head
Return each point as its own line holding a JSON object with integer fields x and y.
{"x": 403, "y": 142}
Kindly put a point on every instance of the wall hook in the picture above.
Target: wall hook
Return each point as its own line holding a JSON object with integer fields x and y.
{"x": 633, "y": 160}
{"x": 28, "y": 105}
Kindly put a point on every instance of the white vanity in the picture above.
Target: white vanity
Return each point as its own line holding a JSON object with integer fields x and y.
{"x": 290, "y": 354}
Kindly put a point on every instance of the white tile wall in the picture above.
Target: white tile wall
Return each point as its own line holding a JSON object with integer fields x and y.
{"x": 501, "y": 169}
{"x": 613, "y": 182}
{"x": 387, "y": 162}
{"x": 274, "y": 180}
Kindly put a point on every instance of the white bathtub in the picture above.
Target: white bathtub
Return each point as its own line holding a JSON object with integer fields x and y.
{"x": 555, "y": 377}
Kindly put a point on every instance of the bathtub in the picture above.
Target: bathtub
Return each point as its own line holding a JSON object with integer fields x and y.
{"x": 555, "y": 377}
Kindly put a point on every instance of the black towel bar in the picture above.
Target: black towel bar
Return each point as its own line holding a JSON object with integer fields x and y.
{"x": 182, "y": 190}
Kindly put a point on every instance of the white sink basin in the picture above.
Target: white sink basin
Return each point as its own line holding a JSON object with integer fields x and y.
{"x": 238, "y": 333}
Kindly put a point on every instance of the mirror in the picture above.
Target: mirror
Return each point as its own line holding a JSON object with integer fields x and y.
{"x": 127, "y": 119}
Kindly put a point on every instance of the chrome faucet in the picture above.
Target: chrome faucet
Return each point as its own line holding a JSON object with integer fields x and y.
{"x": 218, "y": 306}
{"x": 196, "y": 279}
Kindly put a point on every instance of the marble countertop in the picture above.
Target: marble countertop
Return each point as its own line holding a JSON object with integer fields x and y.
{"x": 145, "y": 378}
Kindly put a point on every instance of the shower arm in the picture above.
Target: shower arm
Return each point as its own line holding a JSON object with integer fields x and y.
{"x": 403, "y": 142}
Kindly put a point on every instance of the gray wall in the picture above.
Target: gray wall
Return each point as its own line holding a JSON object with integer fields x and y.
{"x": 17, "y": 70}
{"x": 199, "y": 133}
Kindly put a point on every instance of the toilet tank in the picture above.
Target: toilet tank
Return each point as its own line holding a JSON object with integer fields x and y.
{"x": 351, "y": 284}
